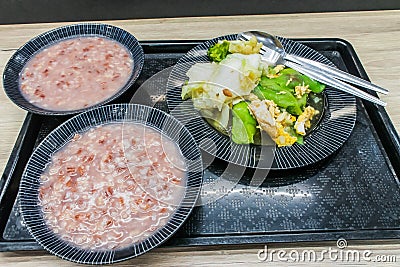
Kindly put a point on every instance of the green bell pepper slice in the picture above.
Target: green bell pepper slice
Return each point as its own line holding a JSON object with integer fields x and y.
{"x": 291, "y": 78}
{"x": 281, "y": 97}
{"x": 244, "y": 126}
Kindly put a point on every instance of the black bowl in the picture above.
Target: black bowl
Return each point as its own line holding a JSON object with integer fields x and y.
{"x": 27, "y": 51}
{"x": 31, "y": 211}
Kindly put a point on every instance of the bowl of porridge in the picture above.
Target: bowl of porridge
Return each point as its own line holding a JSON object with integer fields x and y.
{"x": 73, "y": 68}
{"x": 110, "y": 184}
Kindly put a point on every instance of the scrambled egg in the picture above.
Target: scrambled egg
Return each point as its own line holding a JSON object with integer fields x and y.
{"x": 284, "y": 138}
{"x": 304, "y": 120}
{"x": 245, "y": 47}
{"x": 300, "y": 90}
{"x": 274, "y": 72}
{"x": 273, "y": 121}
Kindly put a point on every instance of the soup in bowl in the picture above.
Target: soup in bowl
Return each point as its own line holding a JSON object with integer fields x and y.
{"x": 70, "y": 69}
{"x": 110, "y": 187}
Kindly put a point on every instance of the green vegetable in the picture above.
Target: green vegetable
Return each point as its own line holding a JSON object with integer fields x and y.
{"x": 218, "y": 119}
{"x": 292, "y": 132}
{"x": 273, "y": 84}
{"x": 302, "y": 101}
{"x": 219, "y": 51}
{"x": 281, "y": 90}
{"x": 244, "y": 126}
{"x": 270, "y": 71}
{"x": 282, "y": 97}
{"x": 300, "y": 139}
{"x": 291, "y": 78}
{"x": 314, "y": 86}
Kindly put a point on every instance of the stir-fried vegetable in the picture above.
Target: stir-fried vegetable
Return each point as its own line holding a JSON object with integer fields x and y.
{"x": 282, "y": 96}
{"x": 291, "y": 78}
{"x": 244, "y": 126}
{"x": 239, "y": 93}
{"x": 213, "y": 85}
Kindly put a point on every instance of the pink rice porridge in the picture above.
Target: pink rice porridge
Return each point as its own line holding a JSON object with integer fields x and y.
{"x": 113, "y": 185}
{"x": 76, "y": 73}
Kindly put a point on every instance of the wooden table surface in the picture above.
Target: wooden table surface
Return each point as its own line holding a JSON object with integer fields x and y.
{"x": 375, "y": 36}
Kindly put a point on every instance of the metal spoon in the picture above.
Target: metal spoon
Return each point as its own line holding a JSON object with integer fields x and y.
{"x": 274, "y": 53}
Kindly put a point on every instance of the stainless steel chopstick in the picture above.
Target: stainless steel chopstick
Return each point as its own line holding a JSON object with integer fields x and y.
{"x": 336, "y": 73}
{"x": 316, "y": 72}
{"x": 321, "y": 77}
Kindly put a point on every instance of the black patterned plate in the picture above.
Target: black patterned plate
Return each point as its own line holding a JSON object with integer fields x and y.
{"x": 17, "y": 62}
{"x": 32, "y": 213}
{"x": 333, "y": 130}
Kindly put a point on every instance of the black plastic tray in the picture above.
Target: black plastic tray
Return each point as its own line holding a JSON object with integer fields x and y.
{"x": 353, "y": 194}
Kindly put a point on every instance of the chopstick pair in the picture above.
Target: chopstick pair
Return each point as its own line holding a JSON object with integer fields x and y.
{"x": 321, "y": 72}
{"x": 335, "y": 78}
